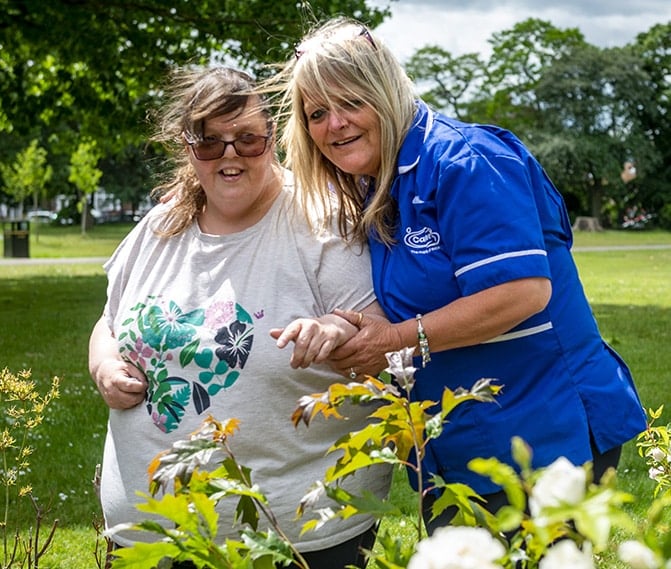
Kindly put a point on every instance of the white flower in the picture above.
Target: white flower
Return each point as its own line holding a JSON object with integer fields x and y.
{"x": 654, "y": 473}
{"x": 455, "y": 547}
{"x": 566, "y": 554}
{"x": 637, "y": 555}
{"x": 400, "y": 366}
{"x": 658, "y": 454}
{"x": 560, "y": 483}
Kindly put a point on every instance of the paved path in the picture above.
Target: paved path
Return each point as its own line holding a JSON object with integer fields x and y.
{"x": 101, "y": 260}
{"x": 619, "y": 247}
{"x": 56, "y": 261}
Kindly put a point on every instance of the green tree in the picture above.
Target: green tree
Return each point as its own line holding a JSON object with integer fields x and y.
{"x": 446, "y": 81}
{"x": 519, "y": 59}
{"x": 583, "y": 110}
{"x": 27, "y": 175}
{"x": 654, "y": 180}
{"x": 591, "y": 100}
{"x": 85, "y": 175}
{"x": 129, "y": 174}
{"x": 86, "y": 68}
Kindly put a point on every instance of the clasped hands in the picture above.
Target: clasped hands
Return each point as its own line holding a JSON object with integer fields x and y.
{"x": 351, "y": 343}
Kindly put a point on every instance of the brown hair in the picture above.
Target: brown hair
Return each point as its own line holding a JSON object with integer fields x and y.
{"x": 195, "y": 95}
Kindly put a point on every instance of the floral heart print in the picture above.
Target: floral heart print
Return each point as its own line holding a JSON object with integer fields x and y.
{"x": 209, "y": 347}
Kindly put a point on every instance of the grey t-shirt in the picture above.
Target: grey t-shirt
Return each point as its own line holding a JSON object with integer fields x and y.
{"x": 194, "y": 313}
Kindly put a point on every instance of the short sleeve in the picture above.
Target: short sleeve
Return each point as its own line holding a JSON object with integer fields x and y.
{"x": 344, "y": 275}
{"x": 123, "y": 261}
{"x": 487, "y": 211}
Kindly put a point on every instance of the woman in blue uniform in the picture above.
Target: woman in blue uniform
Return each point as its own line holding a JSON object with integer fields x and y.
{"x": 470, "y": 244}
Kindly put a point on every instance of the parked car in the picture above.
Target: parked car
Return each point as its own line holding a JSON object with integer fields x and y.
{"x": 41, "y": 216}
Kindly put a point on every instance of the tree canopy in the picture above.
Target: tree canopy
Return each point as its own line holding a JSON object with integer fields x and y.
{"x": 584, "y": 111}
{"x": 89, "y": 70}
{"x": 73, "y": 69}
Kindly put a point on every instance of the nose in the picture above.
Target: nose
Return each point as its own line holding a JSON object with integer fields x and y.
{"x": 229, "y": 150}
{"x": 337, "y": 119}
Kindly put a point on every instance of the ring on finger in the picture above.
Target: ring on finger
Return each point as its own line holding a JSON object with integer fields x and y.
{"x": 352, "y": 373}
{"x": 359, "y": 319}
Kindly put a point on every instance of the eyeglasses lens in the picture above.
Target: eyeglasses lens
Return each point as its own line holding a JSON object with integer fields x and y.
{"x": 246, "y": 146}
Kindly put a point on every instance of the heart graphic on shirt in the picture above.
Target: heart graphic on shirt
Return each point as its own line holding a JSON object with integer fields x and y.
{"x": 165, "y": 343}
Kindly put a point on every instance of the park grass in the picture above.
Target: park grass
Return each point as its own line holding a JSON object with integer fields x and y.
{"x": 48, "y": 311}
{"x": 612, "y": 238}
{"x": 48, "y": 241}
{"x": 47, "y": 314}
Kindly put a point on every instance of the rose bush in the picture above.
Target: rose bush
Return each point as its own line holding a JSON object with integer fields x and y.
{"x": 455, "y": 547}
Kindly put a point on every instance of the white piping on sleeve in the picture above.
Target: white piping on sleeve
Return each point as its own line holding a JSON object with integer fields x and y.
{"x": 521, "y": 333}
{"x": 500, "y": 257}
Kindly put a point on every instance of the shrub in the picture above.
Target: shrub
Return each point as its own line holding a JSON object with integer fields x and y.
{"x": 21, "y": 413}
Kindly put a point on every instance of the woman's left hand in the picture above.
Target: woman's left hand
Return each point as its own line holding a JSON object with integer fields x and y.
{"x": 364, "y": 354}
{"x": 314, "y": 338}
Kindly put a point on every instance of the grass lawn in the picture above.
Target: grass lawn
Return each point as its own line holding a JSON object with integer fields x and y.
{"x": 48, "y": 311}
{"x": 47, "y": 241}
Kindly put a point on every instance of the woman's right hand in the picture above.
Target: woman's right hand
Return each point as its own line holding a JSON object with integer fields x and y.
{"x": 120, "y": 383}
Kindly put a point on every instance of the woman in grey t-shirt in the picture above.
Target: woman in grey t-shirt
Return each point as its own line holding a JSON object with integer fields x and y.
{"x": 195, "y": 294}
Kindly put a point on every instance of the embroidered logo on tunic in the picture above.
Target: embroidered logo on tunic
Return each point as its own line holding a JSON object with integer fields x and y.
{"x": 422, "y": 241}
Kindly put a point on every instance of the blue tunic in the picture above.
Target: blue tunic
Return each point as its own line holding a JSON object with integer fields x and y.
{"x": 477, "y": 210}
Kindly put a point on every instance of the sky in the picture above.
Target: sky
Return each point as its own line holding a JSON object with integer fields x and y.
{"x": 463, "y": 26}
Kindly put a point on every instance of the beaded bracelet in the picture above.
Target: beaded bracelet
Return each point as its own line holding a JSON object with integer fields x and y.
{"x": 423, "y": 342}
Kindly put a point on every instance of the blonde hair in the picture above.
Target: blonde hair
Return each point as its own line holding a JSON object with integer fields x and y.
{"x": 195, "y": 95}
{"x": 342, "y": 61}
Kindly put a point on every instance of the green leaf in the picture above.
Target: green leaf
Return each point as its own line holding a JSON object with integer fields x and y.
{"x": 509, "y": 518}
{"x": 246, "y": 512}
{"x": 143, "y": 555}
{"x": 193, "y": 513}
{"x": 434, "y": 427}
{"x": 204, "y": 358}
{"x": 231, "y": 378}
{"x": 455, "y": 494}
{"x": 188, "y": 353}
{"x": 268, "y": 544}
{"x": 522, "y": 454}
{"x": 504, "y": 475}
{"x": 205, "y": 377}
{"x": 366, "y": 503}
{"x": 221, "y": 368}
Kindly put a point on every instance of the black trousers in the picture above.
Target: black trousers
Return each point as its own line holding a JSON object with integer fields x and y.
{"x": 493, "y": 502}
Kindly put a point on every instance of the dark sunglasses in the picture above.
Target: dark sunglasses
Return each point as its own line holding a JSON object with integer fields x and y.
{"x": 211, "y": 148}
{"x": 300, "y": 49}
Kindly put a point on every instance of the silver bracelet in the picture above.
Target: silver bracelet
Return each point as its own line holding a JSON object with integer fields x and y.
{"x": 423, "y": 342}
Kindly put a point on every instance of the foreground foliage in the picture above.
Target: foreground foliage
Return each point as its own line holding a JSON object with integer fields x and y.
{"x": 556, "y": 517}
{"x": 22, "y": 410}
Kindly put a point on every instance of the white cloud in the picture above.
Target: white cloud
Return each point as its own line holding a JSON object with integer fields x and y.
{"x": 460, "y": 27}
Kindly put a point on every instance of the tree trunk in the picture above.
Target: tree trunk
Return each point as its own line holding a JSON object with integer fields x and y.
{"x": 596, "y": 198}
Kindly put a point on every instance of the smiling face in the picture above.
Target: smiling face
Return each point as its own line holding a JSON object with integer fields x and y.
{"x": 239, "y": 190}
{"x": 347, "y": 133}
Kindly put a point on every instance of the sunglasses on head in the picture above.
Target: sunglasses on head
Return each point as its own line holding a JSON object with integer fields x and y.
{"x": 301, "y": 48}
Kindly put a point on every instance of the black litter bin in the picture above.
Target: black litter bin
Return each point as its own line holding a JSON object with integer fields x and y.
{"x": 16, "y": 236}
